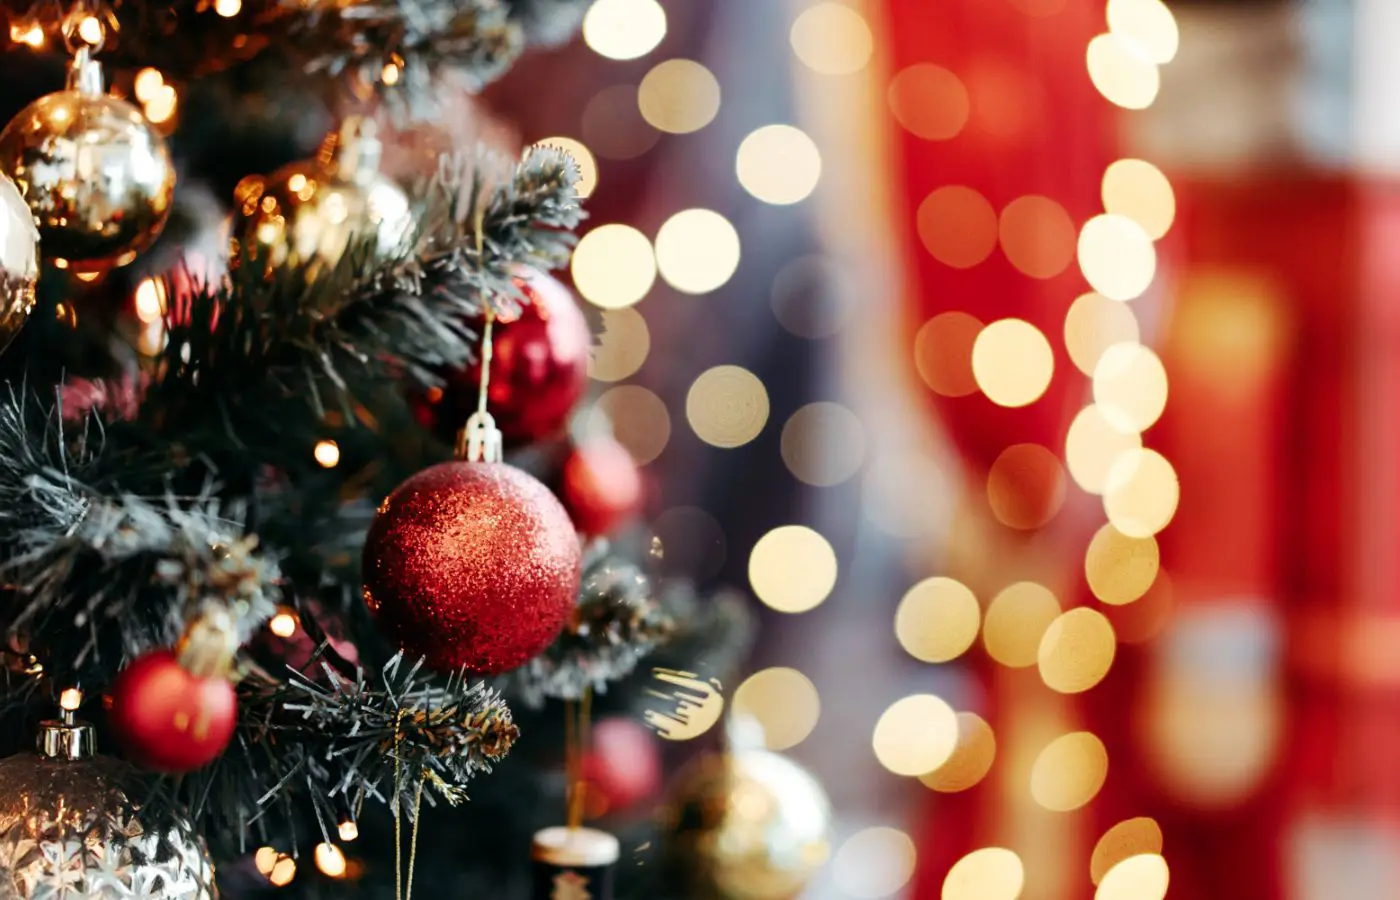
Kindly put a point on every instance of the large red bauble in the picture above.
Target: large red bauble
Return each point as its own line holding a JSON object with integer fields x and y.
{"x": 166, "y": 718}
{"x": 601, "y": 485}
{"x": 539, "y": 369}
{"x": 471, "y": 566}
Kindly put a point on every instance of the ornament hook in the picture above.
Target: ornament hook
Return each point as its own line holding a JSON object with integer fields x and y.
{"x": 480, "y": 439}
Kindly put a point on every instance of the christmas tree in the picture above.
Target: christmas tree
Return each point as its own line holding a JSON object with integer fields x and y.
{"x": 317, "y": 536}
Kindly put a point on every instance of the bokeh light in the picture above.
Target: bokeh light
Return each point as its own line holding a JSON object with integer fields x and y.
{"x": 1130, "y": 387}
{"x": 943, "y": 353}
{"x": 146, "y": 83}
{"x": 1117, "y": 257}
{"x": 958, "y": 226}
{"x": 638, "y": 420}
{"x": 1118, "y": 568}
{"x": 792, "y": 569}
{"x": 587, "y": 165}
{"x": 1037, "y": 236}
{"x": 812, "y": 297}
{"x": 832, "y": 38}
{"x": 972, "y": 757}
{"x": 330, "y": 860}
{"x": 1131, "y": 837}
{"x": 612, "y": 126}
{"x": 150, "y": 299}
{"x": 1141, "y": 877}
{"x": 937, "y": 620}
{"x": 779, "y": 164}
{"x": 1147, "y": 24}
{"x": 327, "y": 453}
{"x": 783, "y": 701}
{"x": 697, "y": 251}
{"x": 678, "y": 96}
{"x": 613, "y": 266}
{"x": 1076, "y": 651}
{"x": 1137, "y": 190}
{"x": 1069, "y": 772}
{"x": 1012, "y": 362}
{"x": 929, "y": 101}
{"x": 874, "y": 863}
{"x": 1016, "y": 621}
{"x": 992, "y": 873}
{"x": 1093, "y": 324}
{"x": 1092, "y": 445}
{"x": 1122, "y": 72}
{"x": 727, "y": 406}
{"x": 916, "y": 735}
{"x": 624, "y": 29}
{"x": 823, "y": 444}
{"x": 622, "y": 347}
{"x": 1025, "y": 486}
{"x": 1141, "y": 493}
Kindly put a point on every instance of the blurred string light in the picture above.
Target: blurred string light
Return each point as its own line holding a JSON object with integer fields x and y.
{"x": 284, "y": 623}
{"x": 1141, "y": 493}
{"x": 330, "y": 860}
{"x": 623, "y": 346}
{"x": 150, "y": 299}
{"x": 783, "y": 701}
{"x": 971, "y": 760}
{"x": 146, "y": 83}
{"x": 1093, "y": 324}
{"x": 678, "y": 96}
{"x": 929, "y": 101}
{"x": 1120, "y": 569}
{"x": 1069, "y": 772}
{"x": 91, "y": 31}
{"x": 327, "y": 453}
{"x": 943, "y": 353}
{"x": 937, "y": 620}
{"x": 624, "y": 29}
{"x": 637, "y": 418}
{"x": 1092, "y": 445}
{"x": 613, "y": 266}
{"x": 1025, "y": 486}
{"x": 228, "y": 8}
{"x": 1037, "y": 236}
{"x": 779, "y": 164}
{"x": 697, "y": 251}
{"x": 161, "y": 107}
{"x": 958, "y": 226}
{"x": 1012, "y": 362}
{"x": 1122, "y": 71}
{"x": 1131, "y": 837}
{"x": 348, "y": 830}
{"x": 1148, "y": 24}
{"x": 874, "y": 863}
{"x": 991, "y": 873}
{"x": 1142, "y": 877}
{"x": 1016, "y": 621}
{"x": 916, "y": 735}
{"x": 1138, "y": 190}
{"x": 1076, "y": 651}
{"x": 587, "y": 165}
{"x": 727, "y": 406}
{"x": 823, "y": 444}
{"x": 1117, "y": 257}
{"x": 832, "y": 38}
{"x": 792, "y": 569}
{"x": 1130, "y": 387}
{"x": 30, "y": 34}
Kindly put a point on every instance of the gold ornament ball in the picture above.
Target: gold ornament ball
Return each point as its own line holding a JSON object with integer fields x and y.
{"x": 96, "y": 175}
{"x": 19, "y": 261}
{"x": 746, "y": 825}
{"x": 308, "y": 212}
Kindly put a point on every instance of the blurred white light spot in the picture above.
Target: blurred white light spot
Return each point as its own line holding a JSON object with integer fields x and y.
{"x": 697, "y": 251}
{"x": 624, "y": 29}
{"x": 614, "y": 266}
{"x": 779, "y": 164}
{"x": 832, "y": 38}
{"x": 874, "y": 863}
{"x": 792, "y": 569}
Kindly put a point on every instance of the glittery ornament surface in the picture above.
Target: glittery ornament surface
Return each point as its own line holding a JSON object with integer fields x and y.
{"x": 471, "y": 565}
{"x": 539, "y": 369}
{"x": 68, "y": 830}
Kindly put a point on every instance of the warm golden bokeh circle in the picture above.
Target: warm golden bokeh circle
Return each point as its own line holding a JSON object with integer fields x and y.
{"x": 992, "y": 873}
{"x": 1069, "y": 772}
{"x": 937, "y": 620}
{"x": 638, "y": 420}
{"x": 1092, "y": 445}
{"x": 1131, "y": 837}
{"x": 1093, "y": 324}
{"x": 783, "y": 701}
{"x": 622, "y": 347}
{"x": 1016, "y": 621}
{"x": 1142, "y": 877}
{"x": 1119, "y": 568}
{"x": 1130, "y": 387}
{"x": 678, "y": 96}
{"x": 916, "y": 735}
{"x": 727, "y": 406}
{"x": 972, "y": 757}
{"x": 1012, "y": 362}
{"x": 1026, "y": 486}
{"x": 1076, "y": 651}
{"x": 792, "y": 569}
{"x": 943, "y": 353}
{"x": 1141, "y": 493}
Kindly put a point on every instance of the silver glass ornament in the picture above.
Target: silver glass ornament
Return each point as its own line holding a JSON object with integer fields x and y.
{"x": 69, "y": 830}
{"x": 19, "y": 261}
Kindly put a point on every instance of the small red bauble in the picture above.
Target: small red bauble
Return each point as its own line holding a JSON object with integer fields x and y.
{"x": 601, "y": 486}
{"x": 166, "y": 718}
{"x": 471, "y": 565}
{"x": 539, "y": 369}
{"x": 622, "y": 765}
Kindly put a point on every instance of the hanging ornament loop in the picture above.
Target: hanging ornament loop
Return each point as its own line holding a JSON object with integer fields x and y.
{"x": 85, "y": 74}
{"x": 85, "y": 28}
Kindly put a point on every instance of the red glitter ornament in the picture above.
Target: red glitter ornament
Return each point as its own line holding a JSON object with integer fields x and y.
{"x": 471, "y": 565}
{"x": 602, "y": 486}
{"x": 169, "y": 719}
{"x": 539, "y": 369}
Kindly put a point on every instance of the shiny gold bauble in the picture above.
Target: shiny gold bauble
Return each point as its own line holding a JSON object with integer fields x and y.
{"x": 19, "y": 261}
{"x": 307, "y": 213}
{"x": 96, "y": 175}
{"x": 746, "y": 825}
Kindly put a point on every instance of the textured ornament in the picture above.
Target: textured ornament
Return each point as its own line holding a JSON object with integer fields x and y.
{"x": 19, "y": 261}
{"x": 69, "y": 830}
{"x": 96, "y": 175}
{"x": 307, "y": 213}
{"x": 539, "y": 369}
{"x": 622, "y": 764}
{"x": 602, "y": 486}
{"x": 471, "y": 565}
{"x": 747, "y": 825}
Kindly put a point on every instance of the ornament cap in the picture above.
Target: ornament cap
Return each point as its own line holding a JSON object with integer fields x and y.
{"x": 562, "y": 846}
{"x": 353, "y": 153}
{"x": 66, "y": 738}
{"x": 85, "y": 74}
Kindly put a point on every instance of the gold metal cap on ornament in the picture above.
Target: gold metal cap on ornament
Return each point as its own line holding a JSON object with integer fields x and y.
{"x": 66, "y": 737}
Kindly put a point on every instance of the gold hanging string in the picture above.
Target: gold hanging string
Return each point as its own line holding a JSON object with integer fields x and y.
{"x": 413, "y": 840}
{"x": 463, "y": 435}
{"x": 577, "y": 734}
{"x": 398, "y": 806}
{"x": 572, "y": 758}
